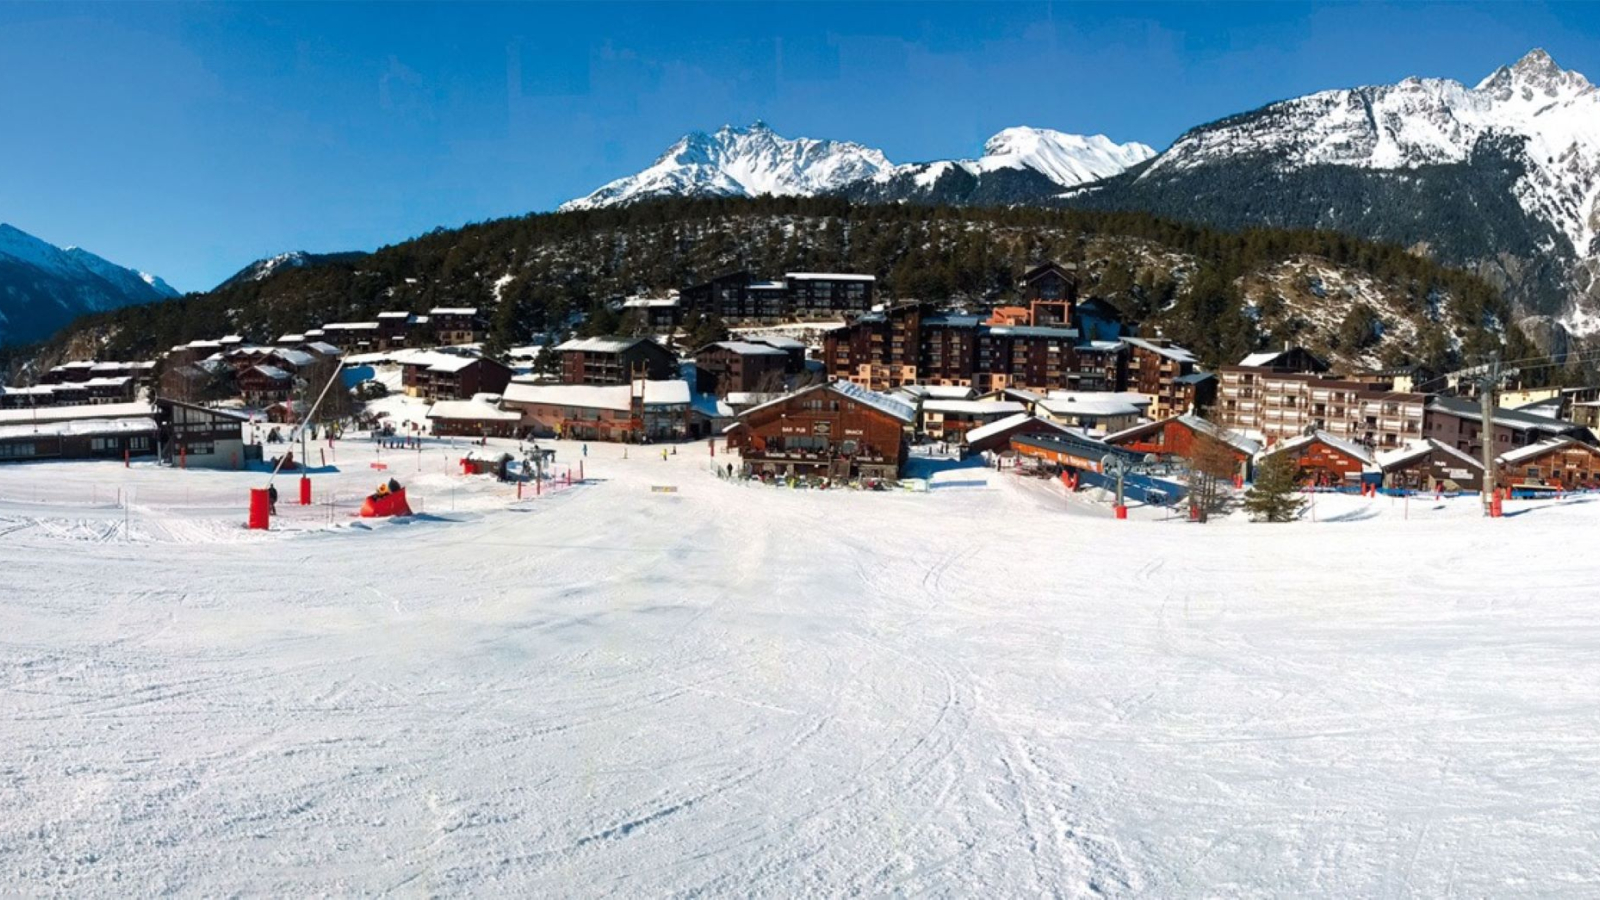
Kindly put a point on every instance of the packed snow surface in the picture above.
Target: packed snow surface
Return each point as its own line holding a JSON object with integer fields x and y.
{"x": 987, "y": 689}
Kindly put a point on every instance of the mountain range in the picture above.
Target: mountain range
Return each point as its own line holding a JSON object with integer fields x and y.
{"x": 1502, "y": 178}
{"x": 43, "y": 287}
{"x": 756, "y": 161}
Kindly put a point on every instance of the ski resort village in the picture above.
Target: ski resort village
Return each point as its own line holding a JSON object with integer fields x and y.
{"x": 837, "y": 593}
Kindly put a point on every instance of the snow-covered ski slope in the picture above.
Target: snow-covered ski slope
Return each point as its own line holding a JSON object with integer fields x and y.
{"x": 985, "y": 690}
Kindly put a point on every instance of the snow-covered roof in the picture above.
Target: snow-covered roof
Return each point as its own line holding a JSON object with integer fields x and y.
{"x": 324, "y": 348}
{"x": 393, "y": 314}
{"x": 974, "y": 407}
{"x": 273, "y": 372}
{"x": 650, "y": 302}
{"x": 1101, "y": 346}
{"x": 750, "y": 398}
{"x": 78, "y": 411}
{"x": 783, "y": 342}
{"x": 1256, "y": 360}
{"x": 1470, "y": 411}
{"x": 296, "y": 358}
{"x": 80, "y": 427}
{"x": 350, "y": 326}
{"x": 672, "y": 392}
{"x": 291, "y": 338}
{"x": 1087, "y": 404}
{"x": 1348, "y": 448}
{"x": 454, "y": 311}
{"x": 1173, "y": 352}
{"x": 109, "y": 381}
{"x": 1000, "y": 426}
{"x": 598, "y": 344}
{"x": 828, "y": 276}
{"x": 1533, "y": 451}
{"x": 1413, "y": 450}
{"x": 744, "y": 348}
{"x": 471, "y": 409}
{"x": 938, "y": 391}
{"x": 894, "y": 406}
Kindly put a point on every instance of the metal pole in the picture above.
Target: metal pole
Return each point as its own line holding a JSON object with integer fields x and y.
{"x": 1486, "y": 389}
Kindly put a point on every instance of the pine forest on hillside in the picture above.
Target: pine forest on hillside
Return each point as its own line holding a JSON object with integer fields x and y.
{"x": 1222, "y": 293}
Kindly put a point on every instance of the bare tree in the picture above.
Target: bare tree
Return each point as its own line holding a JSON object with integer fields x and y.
{"x": 1212, "y": 465}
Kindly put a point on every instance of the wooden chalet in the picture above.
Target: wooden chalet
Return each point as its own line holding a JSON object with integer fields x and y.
{"x": 1325, "y": 460}
{"x": 1176, "y": 436}
{"x": 638, "y": 411}
{"x": 835, "y": 430}
{"x": 1427, "y": 464}
{"x": 739, "y": 367}
{"x": 456, "y": 324}
{"x": 1560, "y": 463}
{"x": 263, "y": 385}
{"x": 615, "y": 360}
{"x": 433, "y": 375}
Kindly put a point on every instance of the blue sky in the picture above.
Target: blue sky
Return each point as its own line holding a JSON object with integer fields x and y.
{"x": 188, "y": 140}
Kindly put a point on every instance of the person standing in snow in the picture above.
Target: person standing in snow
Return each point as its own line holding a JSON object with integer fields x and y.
{"x": 272, "y": 499}
{"x": 586, "y": 450}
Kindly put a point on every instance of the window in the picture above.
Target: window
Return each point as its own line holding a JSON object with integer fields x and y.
{"x": 16, "y": 451}
{"x": 139, "y": 443}
{"x": 98, "y": 444}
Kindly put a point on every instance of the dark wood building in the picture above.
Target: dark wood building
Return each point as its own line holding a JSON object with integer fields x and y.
{"x": 447, "y": 376}
{"x": 836, "y": 430}
{"x": 456, "y": 324}
{"x": 1176, "y": 436}
{"x": 1326, "y": 460}
{"x": 739, "y": 366}
{"x": 1426, "y": 464}
{"x": 615, "y": 360}
{"x": 739, "y": 297}
{"x": 1560, "y": 463}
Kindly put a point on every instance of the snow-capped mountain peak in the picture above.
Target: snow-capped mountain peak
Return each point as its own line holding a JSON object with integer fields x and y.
{"x": 1067, "y": 159}
{"x": 742, "y": 162}
{"x": 43, "y": 286}
{"x": 754, "y": 160}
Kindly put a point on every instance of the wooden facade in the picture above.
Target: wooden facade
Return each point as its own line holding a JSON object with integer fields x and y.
{"x": 615, "y": 360}
{"x": 1324, "y": 461}
{"x": 1561, "y": 463}
{"x": 837, "y": 431}
{"x": 739, "y": 367}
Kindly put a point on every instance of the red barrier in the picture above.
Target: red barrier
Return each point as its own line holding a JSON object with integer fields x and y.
{"x": 305, "y": 491}
{"x": 1122, "y": 511}
{"x": 260, "y": 507}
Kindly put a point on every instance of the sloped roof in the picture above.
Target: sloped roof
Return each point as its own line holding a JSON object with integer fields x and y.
{"x": 1414, "y": 450}
{"x": 899, "y": 409}
{"x": 1000, "y": 426}
{"x": 471, "y": 409}
{"x": 1349, "y": 448}
{"x": 671, "y": 392}
{"x": 1534, "y": 451}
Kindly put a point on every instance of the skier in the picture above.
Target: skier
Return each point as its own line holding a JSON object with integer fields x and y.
{"x": 663, "y": 454}
{"x": 586, "y": 450}
{"x": 272, "y": 498}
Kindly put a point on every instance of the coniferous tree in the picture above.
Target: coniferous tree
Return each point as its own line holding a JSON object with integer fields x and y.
{"x": 1274, "y": 496}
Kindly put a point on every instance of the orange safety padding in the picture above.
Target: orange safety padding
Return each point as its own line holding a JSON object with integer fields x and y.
{"x": 392, "y": 504}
